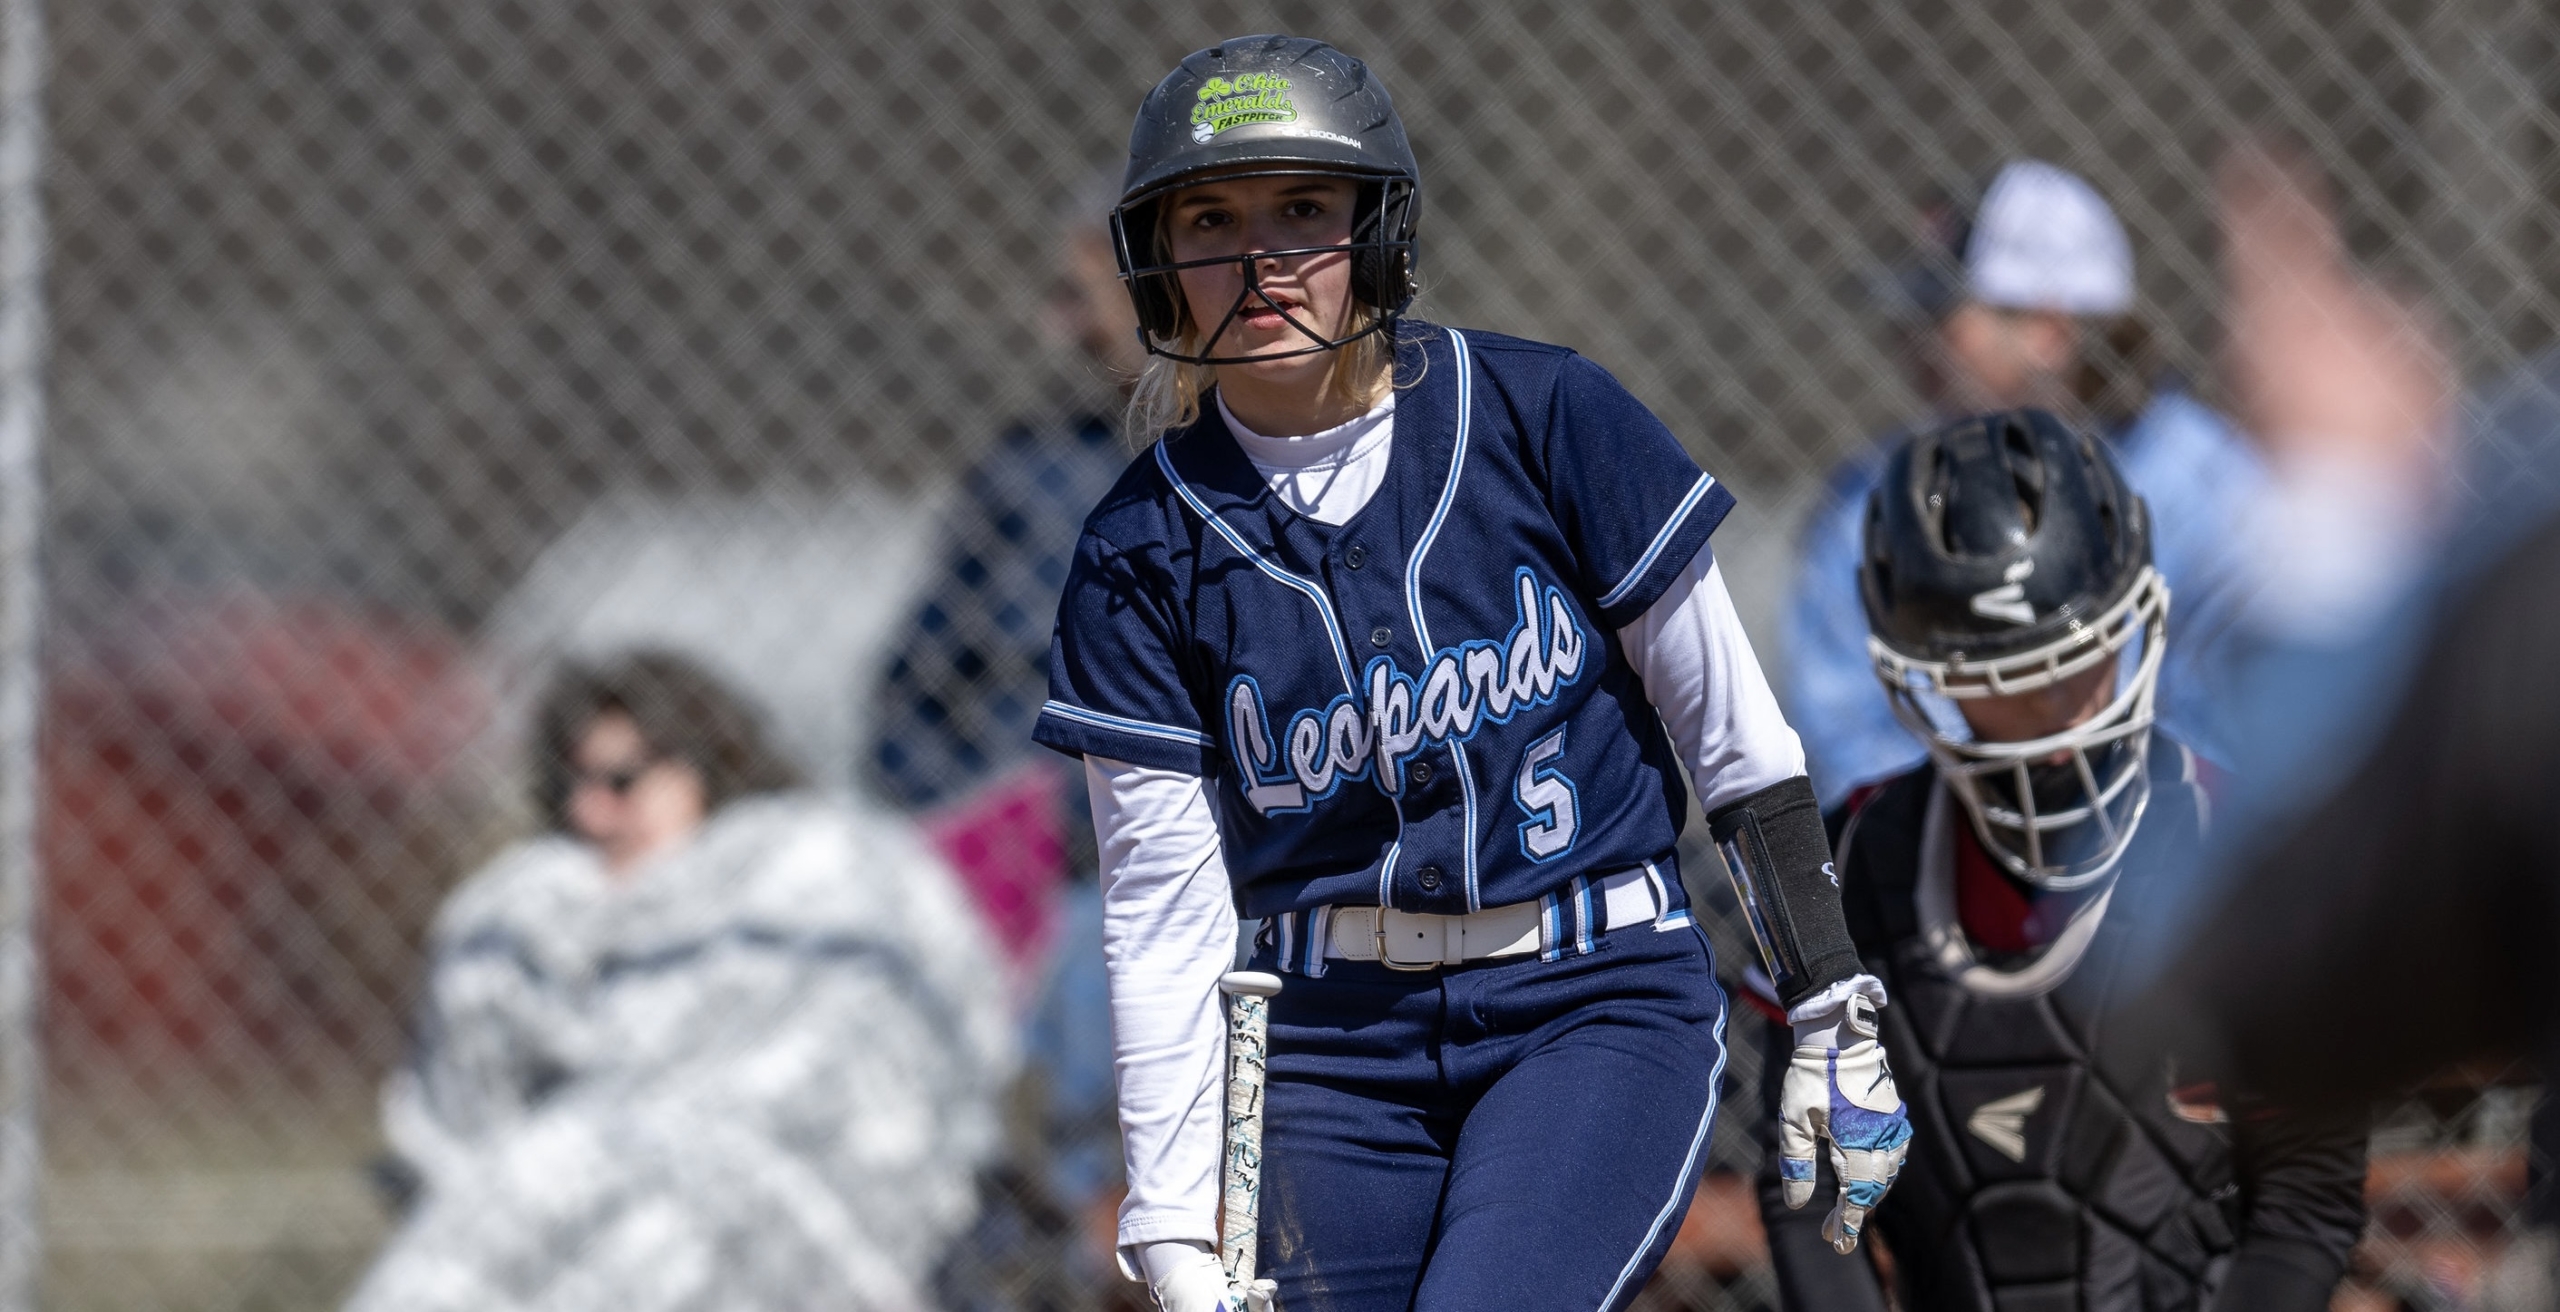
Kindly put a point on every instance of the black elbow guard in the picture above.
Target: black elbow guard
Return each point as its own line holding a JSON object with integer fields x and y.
{"x": 1779, "y": 858}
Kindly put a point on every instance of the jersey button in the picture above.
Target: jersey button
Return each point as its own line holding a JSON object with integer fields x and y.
{"x": 1421, "y": 772}
{"x": 1356, "y": 557}
{"x": 1381, "y": 636}
{"x": 1429, "y": 878}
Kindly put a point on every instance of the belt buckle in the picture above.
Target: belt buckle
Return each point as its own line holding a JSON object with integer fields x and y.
{"x": 1391, "y": 962}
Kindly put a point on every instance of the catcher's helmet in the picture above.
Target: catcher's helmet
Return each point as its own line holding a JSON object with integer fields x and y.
{"x": 2004, "y": 553}
{"x": 1268, "y": 106}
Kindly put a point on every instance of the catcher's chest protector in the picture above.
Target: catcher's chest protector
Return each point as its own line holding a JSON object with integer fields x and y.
{"x": 2042, "y": 1175}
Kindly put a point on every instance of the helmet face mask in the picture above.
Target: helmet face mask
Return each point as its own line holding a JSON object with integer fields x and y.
{"x": 1381, "y": 240}
{"x": 2006, "y": 557}
{"x": 1267, "y": 106}
{"x": 2055, "y": 811}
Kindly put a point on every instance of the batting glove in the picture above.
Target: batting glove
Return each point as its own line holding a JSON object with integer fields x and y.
{"x": 1839, "y": 1088}
{"x": 1187, "y": 1278}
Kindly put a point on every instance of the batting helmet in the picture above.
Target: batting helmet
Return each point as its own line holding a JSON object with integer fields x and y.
{"x": 1261, "y": 106}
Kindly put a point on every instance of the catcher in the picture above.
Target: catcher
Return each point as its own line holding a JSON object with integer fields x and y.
{"x": 2019, "y": 629}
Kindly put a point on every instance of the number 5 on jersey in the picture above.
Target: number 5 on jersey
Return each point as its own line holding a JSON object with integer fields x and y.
{"x": 1547, "y": 797}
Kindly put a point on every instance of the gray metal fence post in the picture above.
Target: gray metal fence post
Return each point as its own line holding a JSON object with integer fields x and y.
{"x": 22, "y": 353}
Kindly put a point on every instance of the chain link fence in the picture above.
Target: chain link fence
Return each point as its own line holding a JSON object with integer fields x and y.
{"x": 399, "y": 350}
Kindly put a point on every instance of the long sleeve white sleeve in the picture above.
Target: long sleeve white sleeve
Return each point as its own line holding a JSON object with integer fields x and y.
{"x": 1699, "y": 673}
{"x": 1702, "y": 678}
{"x": 1168, "y": 933}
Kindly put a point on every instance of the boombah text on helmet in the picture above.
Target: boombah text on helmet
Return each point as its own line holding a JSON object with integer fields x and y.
{"x": 1264, "y": 106}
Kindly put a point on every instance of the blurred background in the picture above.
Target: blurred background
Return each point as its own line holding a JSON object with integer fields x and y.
{"x": 392, "y": 351}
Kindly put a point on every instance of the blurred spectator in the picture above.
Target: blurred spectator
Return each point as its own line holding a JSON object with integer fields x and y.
{"x": 2026, "y": 298}
{"x": 955, "y": 717}
{"x": 711, "y": 1043}
{"x": 753, "y": 584}
{"x": 969, "y": 678}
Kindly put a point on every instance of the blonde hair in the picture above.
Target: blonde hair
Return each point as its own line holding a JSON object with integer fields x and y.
{"x": 1167, "y": 394}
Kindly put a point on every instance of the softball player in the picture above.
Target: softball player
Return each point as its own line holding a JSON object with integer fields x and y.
{"x": 1399, "y": 640}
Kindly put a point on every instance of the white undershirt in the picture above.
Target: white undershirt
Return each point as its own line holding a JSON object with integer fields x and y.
{"x": 1169, "y": 922}
{"x": 1325, "y": 476}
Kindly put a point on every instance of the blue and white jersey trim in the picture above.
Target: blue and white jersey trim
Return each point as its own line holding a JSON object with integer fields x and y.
{"x": 1467, "y": 802}
{"x": 1668, "y": 919}
{"x": 1567, "y": 920}
{"x": 1120, "y": 724}
{"x": 1299, "y": 939}
{"x": 1686, "y": 1185}
{"x": 1422, "y": 627}
{"x": 1644, "y": 564}
{"x": 1448, "y": 493}
{"x": 1332, "y": 624}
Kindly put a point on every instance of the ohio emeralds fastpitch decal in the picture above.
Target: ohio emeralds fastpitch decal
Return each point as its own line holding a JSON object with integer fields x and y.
{"x": 1247, "y": 98}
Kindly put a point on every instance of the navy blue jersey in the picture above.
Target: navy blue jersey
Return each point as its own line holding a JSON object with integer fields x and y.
{"x": 1425, "y": 707}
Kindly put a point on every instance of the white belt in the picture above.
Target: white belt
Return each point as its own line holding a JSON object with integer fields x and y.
{"x": 1420, "y": 940}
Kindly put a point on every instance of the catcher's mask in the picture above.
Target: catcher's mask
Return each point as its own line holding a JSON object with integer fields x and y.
{"x": 1267, "y": 106}
{"x": 2005, "y": 554}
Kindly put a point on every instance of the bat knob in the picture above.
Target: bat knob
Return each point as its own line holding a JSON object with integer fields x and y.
{"x": 1253, "y": 982}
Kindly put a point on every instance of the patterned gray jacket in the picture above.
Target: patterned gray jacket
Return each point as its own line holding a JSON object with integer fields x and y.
{"x": 758, "y": 1072}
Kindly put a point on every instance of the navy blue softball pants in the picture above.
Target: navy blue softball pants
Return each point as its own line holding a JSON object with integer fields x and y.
{"x": 1508, "y": 1134}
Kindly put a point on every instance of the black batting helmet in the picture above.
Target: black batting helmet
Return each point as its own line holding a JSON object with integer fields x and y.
{"x": 1269, "y": 106}
{"x": 2005, "y": 553}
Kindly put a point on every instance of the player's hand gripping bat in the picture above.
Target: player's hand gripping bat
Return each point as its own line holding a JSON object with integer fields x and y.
{"x": 1248, "y": 1035}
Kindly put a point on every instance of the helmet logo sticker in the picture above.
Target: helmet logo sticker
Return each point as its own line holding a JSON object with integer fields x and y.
{"x": 2009, "y": 600}
{"x": 1226, "y": 103}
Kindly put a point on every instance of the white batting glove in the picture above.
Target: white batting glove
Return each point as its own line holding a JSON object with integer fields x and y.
{"x": 1838, "y": 1087}
{"x": 1188, "y": 1278}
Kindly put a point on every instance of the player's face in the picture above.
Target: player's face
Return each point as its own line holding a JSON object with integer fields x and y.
{"x": 630, "y": 802}
{"x": 1227, "y": 218}
{"x": 2024, "y": 717}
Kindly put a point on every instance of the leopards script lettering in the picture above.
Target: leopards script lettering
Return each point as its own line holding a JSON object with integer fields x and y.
{"x": 1398, "y": 715}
